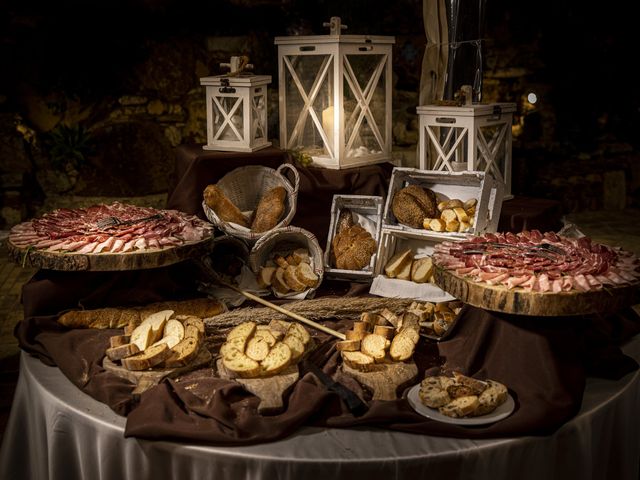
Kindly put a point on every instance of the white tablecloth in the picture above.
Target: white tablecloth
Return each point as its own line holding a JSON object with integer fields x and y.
{"x": 57, "y": 432}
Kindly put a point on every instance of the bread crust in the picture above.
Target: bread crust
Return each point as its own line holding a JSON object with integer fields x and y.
{"x": 412, "y": 204}
{"x": 353, "y": 248}
{"x": 217, "y": 201}
{"x": 269, "y": 210}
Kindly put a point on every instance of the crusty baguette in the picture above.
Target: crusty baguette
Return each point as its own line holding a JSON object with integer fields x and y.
{"x": 384, "y": 331}
{"x": 353, "y": 335}
{"x": 374, "y": 345}
{"x": 295, "y": 345}
{"x": 296, "y": 329}
{"x": 241, "y": 365}
{"x": 269, "y": 210}
{"x": 257, "y": 349}
{"x": 305, "y": 274}
{"x": 244, "y": 330}
{"x": 131, "y": 317}
{"x": 217, "y": 201}
{"x": 264, "y": 332}
{"x": 182, "y": 353}
{"x": 361, "y": 326}
{"x": 398, "y": 262}
{"x": 122, "y": 351}
{"x": 421, "y": 269}
{"x": 358, "y": 361}
{"x": 278, "y": 359}
{"x": 292, "y": 281}
{"x": 151, "y": 357}
{"x": 278, "y": 282}
{"x": 348, "y": 345}
{"x": 118, "y": 340}
{"x": 265, "y": 275}
{"x": 402, "y": 347}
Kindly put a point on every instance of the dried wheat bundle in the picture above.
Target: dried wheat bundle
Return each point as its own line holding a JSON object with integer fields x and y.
{"x": 348, "y": 308}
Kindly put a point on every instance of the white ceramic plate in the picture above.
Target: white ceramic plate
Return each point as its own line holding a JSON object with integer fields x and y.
{"x": 502, "y": 411}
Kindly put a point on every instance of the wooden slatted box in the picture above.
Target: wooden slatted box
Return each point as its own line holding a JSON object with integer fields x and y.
{"x": 447, "y": 186}
{"x": 366, "y": 208}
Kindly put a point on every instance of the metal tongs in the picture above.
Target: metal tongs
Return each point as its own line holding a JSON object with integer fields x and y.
{"x": 116, "y": 222}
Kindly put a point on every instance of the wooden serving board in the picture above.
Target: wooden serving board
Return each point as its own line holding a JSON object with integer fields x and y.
{"x": 386, "y": 380}
{"x": 145, "y": 379}
{"x": 548, "y": 304}
{"x": 270, "y": 390}
{"x": 107, "y": 262}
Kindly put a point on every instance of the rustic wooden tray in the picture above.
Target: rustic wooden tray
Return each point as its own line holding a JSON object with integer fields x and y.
{"x": 136, "y": 260}
{"x": 548, "y": 304}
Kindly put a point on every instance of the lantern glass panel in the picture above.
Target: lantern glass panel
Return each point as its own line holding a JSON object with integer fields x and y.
{"x": 259, "y": 117}
{"x": 309, "y": 120}
{"x": 228, "y": 121}
{"x": 364, "y": 104}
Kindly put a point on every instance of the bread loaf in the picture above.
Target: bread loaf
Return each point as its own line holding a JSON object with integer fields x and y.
{"x": 398, "y": 262}
{"x": 269, "y": 210}
{"x": 217, "y": 201}
{"x": 133, "y": 316}
{"x": 182, "y": 353}
{"x": 151, "y": 357}
{"x": 353, "y": 248}
{"x": 412, "y": 204}
{"x": 122, "y": 351}
{"x": 421, "y": 270}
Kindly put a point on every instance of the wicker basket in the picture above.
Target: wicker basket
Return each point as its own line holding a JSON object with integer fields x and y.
{"x": 284, "y": 239}
{"x": 227, "y": 256}
{"x": 245, "y": 186}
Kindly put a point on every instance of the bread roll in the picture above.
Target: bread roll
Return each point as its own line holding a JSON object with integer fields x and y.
{"x": 269, "y": 210}
{"x": 412, "y": 204}
{"x": 217, "y": 201}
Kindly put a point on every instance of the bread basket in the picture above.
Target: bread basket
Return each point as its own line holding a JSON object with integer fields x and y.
{"x": 245, "y": 186}
{"x": 285, "y": 239}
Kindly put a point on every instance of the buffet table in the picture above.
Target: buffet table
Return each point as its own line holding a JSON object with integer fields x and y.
{"x": 57, "y": 432}
{"x": 575, "y": 393}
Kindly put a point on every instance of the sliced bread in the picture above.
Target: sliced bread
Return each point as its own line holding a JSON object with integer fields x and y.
{"x": 151, "y": 357}
{"x": 375, "y": 346}
{"x": 277, "y": 360}
{"x": 122, "y": 351}
{"x": 183, "y": 353}
{"x": 398, "y": 262}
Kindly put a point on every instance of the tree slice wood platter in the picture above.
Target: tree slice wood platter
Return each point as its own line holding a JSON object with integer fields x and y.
{"x": 548, "y": 304}
{"x": 146, "y": 379}
{"x": 135, "y": 260}
{"x": 270, "y": 390}
{"x": 385, "y": 381}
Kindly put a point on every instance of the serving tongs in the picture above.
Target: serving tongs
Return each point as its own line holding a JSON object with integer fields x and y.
{"x": 107, "y": 222}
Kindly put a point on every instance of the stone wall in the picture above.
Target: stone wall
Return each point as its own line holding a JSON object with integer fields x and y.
{"x": 92, "y": 111}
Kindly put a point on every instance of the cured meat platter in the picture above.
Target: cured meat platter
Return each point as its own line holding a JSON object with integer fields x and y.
{"x": 531, "y": 273}
{"x": 109, "y": 238}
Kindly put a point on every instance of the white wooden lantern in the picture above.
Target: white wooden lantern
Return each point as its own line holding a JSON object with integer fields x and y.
{"x": 335, "y": 97}
{"x": 474, "y": 137}
{"x": 236, "y": 110}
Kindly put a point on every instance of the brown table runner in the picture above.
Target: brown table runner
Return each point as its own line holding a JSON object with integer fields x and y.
{"x": 544, "y": 362}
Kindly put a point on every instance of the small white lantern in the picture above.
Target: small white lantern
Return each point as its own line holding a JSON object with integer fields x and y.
{"x": 335, "y": 97}
{"x": 475, "y": 137}
{"x": 236, "y": 109}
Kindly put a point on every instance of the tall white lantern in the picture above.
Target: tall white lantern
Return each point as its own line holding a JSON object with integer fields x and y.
{"x": 236, "y": 110}
{"x": 335, "y": 97}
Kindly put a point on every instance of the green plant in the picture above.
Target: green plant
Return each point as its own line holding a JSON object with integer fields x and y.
{"x": 69, "y": 146}
{"x": 301, "y": 158}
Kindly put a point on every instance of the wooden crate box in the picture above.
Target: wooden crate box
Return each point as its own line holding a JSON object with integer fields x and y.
{"x": 367, "y": 211}
{"x": 448, "y": 186}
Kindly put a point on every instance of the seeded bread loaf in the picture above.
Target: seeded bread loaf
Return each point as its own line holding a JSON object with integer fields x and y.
{"x": 412, "y": 204}
{"x": 353, "y": 248}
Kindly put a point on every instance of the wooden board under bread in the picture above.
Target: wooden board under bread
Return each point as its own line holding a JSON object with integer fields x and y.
{"x": 386, "y": 380}
{"x": 270, "y": 390}
{"x": 548, "y": 304}
{"x": 145, "y": 379}
{"x": 97, "y": 262}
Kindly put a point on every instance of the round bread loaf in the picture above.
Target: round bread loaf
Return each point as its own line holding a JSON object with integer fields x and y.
{"x": 353, "y": 248}
{"x": 412, "y": 204}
